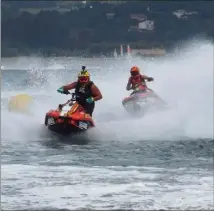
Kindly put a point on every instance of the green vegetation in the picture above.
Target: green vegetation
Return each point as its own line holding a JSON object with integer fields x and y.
{"x": 86, "y": 30}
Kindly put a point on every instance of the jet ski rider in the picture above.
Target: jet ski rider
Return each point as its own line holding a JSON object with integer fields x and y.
{"x": 86, "y": 91}
{"x": 137, "y": 81}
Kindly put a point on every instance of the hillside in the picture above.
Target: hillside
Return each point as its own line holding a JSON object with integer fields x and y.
{"x": 74, "y": 28}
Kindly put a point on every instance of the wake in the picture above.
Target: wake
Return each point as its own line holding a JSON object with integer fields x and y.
{"x": 184, "y": 81}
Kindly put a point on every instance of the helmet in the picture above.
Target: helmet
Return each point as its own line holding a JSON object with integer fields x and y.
{"x": 135, "y": 71}
{"x": 84, "y": 76}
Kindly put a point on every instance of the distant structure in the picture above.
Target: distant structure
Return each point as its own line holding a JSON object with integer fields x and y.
{"x": 112, "y": 2}
{"x": 155, "y": 52}
{"x": 122, "y": 53}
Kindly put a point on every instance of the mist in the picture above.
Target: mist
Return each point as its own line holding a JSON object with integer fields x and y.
{"x": 184, "y": 81}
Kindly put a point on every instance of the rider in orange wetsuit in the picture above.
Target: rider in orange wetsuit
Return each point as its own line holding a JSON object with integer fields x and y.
{"x": 137, "y": 81}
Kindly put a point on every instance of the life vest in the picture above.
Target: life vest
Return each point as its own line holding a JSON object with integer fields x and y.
{"x": 83, "y": 91}
{"x": 137, "y": 81}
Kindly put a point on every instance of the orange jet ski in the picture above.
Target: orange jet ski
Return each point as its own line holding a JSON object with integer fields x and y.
{"x": 69, "y": 118}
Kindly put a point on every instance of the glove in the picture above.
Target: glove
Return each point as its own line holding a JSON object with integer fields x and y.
{"x": 62, "y": 91}
{"x": 90, "y": 100}
{"x": 150, "y": 79}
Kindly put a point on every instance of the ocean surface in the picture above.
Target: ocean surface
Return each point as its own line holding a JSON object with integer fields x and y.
{"x": 161, "y": 161}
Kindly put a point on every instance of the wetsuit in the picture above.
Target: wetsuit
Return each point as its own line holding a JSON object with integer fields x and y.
{"x": 83, "y": 91}
{"x": 138, "y": 81}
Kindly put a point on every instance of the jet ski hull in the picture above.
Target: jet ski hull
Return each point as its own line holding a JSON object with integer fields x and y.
{"x": 65, "y": 128}
{"x": 69, "y": 122}
{"x": 140, "y": 103}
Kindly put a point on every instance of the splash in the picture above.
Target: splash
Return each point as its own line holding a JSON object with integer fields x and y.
{"x": 184, "y": 81}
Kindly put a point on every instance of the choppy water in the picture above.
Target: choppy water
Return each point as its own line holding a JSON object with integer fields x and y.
{"x": 163, "y": 161}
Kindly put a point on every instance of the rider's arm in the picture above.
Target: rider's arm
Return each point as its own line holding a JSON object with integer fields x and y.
{"x": 128, "y": 86}
{"x": 145, "y": 77}
{"x": 96, "y": 93}
{"x": 70, "y": 86}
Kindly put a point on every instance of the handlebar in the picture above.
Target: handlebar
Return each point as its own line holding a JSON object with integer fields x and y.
{"x": 73, "y": 96}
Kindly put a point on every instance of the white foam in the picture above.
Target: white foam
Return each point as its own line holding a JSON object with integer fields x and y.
{"x": 185, "y": 82}
{"x": 71, "y": 187}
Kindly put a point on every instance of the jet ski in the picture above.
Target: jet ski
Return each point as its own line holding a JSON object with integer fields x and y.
{"x": 141, "y": 102}
{"x": 68, "y": 119}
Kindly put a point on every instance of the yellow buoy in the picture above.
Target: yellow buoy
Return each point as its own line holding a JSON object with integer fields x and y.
{"x": 20, "y": 103}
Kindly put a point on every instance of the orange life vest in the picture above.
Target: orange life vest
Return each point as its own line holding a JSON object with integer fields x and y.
{"x": 137, "y": 81}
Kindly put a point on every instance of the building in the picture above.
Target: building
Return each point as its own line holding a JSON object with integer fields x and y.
{"x": 143, "y": 23}
{"x": 110, "y": 15}
{"x": 149, "y": 52}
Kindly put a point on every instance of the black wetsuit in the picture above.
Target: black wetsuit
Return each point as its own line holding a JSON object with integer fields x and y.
{"x": 82, "y": 93}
